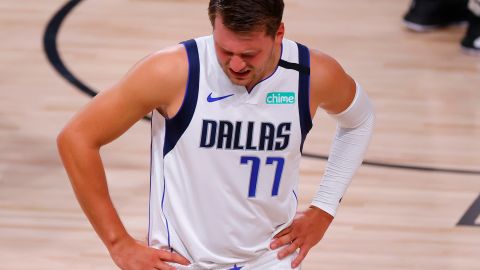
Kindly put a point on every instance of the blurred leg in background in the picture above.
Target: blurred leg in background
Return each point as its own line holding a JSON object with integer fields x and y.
{"x": 426, "y": 15}
{"x": 471, "y": 41}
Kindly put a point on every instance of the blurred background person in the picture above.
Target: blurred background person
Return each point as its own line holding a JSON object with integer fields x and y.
{"x": 427, "y": 15}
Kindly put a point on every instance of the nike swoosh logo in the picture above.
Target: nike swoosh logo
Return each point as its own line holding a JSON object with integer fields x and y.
{"x": 213, "y": 99}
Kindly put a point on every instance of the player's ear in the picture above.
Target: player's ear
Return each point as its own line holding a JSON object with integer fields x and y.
{"x": 280, "y": 33}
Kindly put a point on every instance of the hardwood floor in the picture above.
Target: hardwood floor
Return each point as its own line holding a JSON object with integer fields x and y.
{"x": 426, "y": 94}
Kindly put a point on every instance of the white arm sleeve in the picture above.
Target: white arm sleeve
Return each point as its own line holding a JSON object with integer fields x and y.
{"x": 354, "y": 130}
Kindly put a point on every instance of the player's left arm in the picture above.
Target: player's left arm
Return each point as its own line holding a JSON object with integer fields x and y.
{"x": 334, "y": 91}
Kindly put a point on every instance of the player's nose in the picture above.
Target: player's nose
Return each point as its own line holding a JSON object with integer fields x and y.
{"x": 237, "y": 64}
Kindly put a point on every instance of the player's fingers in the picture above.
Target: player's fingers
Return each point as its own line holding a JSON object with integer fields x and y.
{"x": 180, "y": 259}
{"x": 163, "y": 266}
{"x": 174, "y": 257}
{"x": 301, "y": 255}
{"x": 288, "y": 250}
{"x": 283, "y": 232}
{"x": 281, "y": 241}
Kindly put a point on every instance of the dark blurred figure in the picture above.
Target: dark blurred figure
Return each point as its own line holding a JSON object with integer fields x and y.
{"x": 426, "y": 15}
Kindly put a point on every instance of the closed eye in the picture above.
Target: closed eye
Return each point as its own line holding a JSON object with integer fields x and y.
{"x": 248, "y": 55}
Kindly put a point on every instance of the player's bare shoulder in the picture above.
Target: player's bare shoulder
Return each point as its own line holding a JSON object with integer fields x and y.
{"x": 331, "y": 88}
{"x": 170, "y": 65}
{"x": 160, "y": 78}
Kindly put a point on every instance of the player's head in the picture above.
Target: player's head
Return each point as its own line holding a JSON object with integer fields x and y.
{"x": 246, "y": 34}
{"x": 245, "y": 16}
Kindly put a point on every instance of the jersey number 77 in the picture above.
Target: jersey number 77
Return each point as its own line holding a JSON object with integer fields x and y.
{"x": 280, "y": 162}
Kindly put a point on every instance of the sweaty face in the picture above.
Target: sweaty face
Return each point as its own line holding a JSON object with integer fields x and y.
{"x": 245, "y": 58}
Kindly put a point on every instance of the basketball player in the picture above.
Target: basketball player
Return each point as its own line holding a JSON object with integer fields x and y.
{"x": 230, "y": 114}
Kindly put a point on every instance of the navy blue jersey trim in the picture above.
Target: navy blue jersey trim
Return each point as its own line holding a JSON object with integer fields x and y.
{"x": 150, "y": 185}
{"x": 294, "y": 66}
{"x": 163, "y": 212}
{"x": 176, "y": 126}
{"x": 304, "y": 93}
{"x": 295, "y": 194}
{"x": 296, "y": 198}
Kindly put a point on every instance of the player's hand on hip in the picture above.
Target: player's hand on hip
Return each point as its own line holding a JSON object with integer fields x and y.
{"x": 306, "y": 230}
{"x": 129, "y": 254}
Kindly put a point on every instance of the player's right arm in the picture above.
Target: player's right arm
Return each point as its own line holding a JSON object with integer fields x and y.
{"x": 156, "y": 82}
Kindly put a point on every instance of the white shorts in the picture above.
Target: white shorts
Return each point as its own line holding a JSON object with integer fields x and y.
{"x": 268, "y": 261}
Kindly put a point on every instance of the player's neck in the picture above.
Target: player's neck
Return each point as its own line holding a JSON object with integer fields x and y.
{"x": 269, "y": 70}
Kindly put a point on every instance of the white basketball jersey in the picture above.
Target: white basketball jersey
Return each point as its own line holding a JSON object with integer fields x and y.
{"x": 224, "y": 169}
